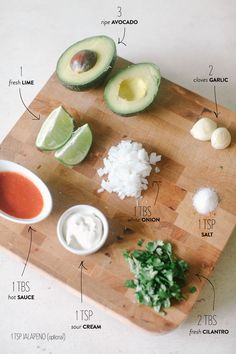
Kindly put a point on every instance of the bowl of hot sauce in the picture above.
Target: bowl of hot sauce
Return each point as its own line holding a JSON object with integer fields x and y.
{"x": 24, "y": 197}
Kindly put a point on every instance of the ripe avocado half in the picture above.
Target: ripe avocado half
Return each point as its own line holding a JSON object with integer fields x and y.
{"x": 132, "y": 89}
{"x": 86, "y": 63}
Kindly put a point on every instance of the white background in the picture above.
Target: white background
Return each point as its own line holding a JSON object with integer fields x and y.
{"x": 183, "y": 38}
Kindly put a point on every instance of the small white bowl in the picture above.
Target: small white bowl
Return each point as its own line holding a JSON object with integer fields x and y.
{"x": 9, "y": 166}
{"x": 88, "y": 209}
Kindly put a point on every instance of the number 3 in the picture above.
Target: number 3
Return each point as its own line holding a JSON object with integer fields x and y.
{"x": 119, "y": 11}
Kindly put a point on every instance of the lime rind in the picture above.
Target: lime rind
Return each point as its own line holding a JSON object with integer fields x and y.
{"x": 56, "y": 130}
{"x": 77, "y": 148}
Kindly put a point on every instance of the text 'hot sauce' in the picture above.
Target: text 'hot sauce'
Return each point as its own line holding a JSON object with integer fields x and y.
{"x": 19, "y": 197}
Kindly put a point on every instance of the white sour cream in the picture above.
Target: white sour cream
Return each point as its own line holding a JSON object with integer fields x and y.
{"x": 83, "y": 230}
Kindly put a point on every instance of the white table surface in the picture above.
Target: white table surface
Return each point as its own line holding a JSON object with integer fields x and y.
{"x": 183, "y": 38}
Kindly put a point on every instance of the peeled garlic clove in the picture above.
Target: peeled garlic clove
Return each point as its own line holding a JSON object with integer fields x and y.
{"x": 203, "y": 129}
{"x": 221, "y": 138}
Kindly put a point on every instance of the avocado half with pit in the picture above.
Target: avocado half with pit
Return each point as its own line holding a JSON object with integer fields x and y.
{"x": 132, "y": 89}
{"x": 85, "y": 64}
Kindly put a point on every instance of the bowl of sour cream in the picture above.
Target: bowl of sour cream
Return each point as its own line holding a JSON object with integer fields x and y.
{"x": 82, "y": 229}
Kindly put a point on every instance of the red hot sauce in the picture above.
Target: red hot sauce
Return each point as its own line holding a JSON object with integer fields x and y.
{"x": 19, "y": 197}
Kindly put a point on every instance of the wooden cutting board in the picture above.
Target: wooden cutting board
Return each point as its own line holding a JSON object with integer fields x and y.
{"x": 187, "y": 164}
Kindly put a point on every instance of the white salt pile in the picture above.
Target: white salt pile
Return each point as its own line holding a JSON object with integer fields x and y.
{"x": 205, "y": 200}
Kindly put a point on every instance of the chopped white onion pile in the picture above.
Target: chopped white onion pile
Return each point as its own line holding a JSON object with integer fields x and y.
{"x": 127, "y": 166}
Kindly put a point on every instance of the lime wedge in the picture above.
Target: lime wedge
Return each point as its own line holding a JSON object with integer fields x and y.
{"x": 56, "y": 130}
{"x": 77, "y": 148}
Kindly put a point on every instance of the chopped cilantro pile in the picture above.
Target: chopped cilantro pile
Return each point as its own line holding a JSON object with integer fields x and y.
{"x": 158, "y": 274}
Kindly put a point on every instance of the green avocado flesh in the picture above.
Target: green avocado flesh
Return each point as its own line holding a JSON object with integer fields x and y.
{"x": 132, "y": 89}
{"x": 94, "y": 57}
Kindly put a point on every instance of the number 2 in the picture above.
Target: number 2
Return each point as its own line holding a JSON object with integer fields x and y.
{"x": 211, "y": 69}
{"x": 200, "y": 319}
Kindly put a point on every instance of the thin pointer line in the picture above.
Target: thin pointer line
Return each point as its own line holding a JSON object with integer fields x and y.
{"x": 37, "y": 118}
{"x": 158, "y": 187}
{"x": 217, "y": 113}
{"x": 121, "y": 41}
{"x": 81, "y": 266}
{"x": 81, "y": 286}
{"x": 214, "y": 296}
{"x": 31, "y": 237}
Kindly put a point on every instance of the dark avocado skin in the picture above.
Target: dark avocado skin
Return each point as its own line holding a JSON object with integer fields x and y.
{"x": 95, "y": 83}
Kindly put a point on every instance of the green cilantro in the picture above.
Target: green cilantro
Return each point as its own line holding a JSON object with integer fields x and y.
{"x": 140, "y": 242}
{"x": 158, "y": 275}
{"x": 130, "y": 284}
{"x": 193, "y": 289}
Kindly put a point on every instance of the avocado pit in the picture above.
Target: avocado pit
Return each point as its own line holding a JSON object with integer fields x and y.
{"x": 83, "y": 61}
{"x": 132, "y": 89}
{"x": 86, "y": 64}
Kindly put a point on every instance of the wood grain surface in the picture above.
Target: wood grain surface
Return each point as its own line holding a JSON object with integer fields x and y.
{"x": 187, "y": 164}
